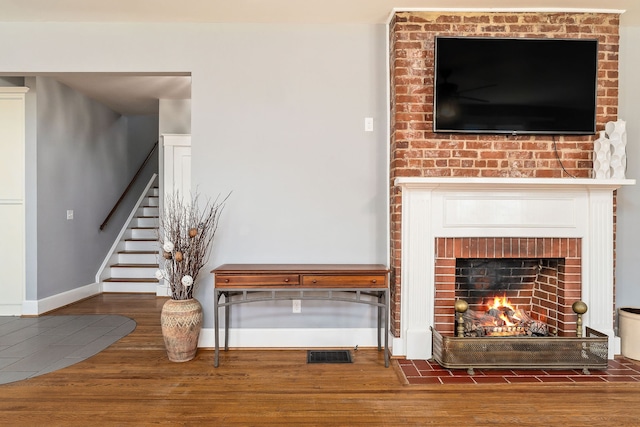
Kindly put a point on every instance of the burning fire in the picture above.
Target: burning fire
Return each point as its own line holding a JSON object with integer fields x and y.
{"x": 500, "y": 303}
{"x": 502, "y": 318}
{"x": 501, "y": 307}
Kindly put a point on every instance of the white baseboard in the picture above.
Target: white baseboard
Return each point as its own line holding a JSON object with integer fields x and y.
{"x": 617, "y": 345}
{"x": 397, "y": 346}
{"x": 37, "y": 307}
{"x": 292, "y": 338}
{"x": 10, "y": 309}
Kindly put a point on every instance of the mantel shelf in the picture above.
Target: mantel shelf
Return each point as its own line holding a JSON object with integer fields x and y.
{"x": 511, "y": 183}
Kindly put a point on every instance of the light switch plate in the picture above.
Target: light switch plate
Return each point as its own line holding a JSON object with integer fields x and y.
{"x": 368, "y": 124}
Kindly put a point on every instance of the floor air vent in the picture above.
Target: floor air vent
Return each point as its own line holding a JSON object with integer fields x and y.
{"x": 329, "y": 356}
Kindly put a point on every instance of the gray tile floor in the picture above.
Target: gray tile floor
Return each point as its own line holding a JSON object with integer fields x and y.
{"x": 34, "y": 346}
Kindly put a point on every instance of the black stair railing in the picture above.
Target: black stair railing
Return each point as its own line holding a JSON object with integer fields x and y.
{"x": 126, "y": 190}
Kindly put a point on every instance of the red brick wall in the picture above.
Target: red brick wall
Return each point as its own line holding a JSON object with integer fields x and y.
{"x": 417, "y": 151}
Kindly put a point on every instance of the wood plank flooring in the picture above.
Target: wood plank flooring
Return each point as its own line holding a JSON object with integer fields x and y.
{"x": 133, "y": 383}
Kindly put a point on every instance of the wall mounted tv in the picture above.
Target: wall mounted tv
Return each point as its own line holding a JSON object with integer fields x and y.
{"x": 515, "y": 85}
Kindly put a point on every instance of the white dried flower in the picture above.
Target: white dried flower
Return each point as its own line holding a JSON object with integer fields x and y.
{"x": 187, "y": 281}
{"x": 168, "y": 246}
{"x": 159, "y": 274}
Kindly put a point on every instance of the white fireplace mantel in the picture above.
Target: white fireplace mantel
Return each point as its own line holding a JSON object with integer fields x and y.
{"x": 502, "y": 207}
{"x": 511, "y": 183}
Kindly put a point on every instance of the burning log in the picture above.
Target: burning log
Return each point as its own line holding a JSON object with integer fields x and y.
{"x": 539, "y": 329}
{"x": 497, "y": 322}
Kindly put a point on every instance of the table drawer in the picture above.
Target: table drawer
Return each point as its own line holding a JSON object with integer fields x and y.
{"x": 344, "y": 281}
{"x": 256, "y": 280}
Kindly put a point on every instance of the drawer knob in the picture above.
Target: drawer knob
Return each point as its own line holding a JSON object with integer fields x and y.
{"x": 286, "y": 280}
{"x": 373, "y": 281}
{"x": 226, "y": 280}
{"x": 315, "y": 281}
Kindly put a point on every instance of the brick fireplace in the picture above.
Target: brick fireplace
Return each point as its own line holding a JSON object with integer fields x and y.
{"x": 443, "y": 186}
{"x": 447, "y": 218}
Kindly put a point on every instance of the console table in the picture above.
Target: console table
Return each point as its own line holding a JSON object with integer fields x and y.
{"x": 357, "y": 283}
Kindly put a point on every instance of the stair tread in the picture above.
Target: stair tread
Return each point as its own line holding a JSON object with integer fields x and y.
{"x": 138, "y": 252}
{"x": 143, "y": 228}
{"x": 135, "y": 265}
{"x": 133, "y": 279}
{"x": 133, "y": 239}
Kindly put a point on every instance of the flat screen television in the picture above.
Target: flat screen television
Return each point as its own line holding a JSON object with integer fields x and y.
{"x": 515, "y": 85}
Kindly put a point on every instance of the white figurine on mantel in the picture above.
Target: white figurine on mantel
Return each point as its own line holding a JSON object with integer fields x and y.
{"x": 602, "y": 160}
{"x": 617, "y": 133}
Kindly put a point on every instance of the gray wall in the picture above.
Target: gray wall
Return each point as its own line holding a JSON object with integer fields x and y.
{"x": 31, "y": 189}
{"x": 11, "y": 81}
{"x": 279, "y": 120}
{"x": 628, "y": 253}
{"x": 84, "y": 161}
{"x": 277, "y": 117}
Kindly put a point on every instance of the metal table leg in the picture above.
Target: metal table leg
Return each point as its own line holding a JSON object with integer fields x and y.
{"x": 385, "y": 296}
{"x": 216, "y": 358}
{"x": 227, "y": 316}
{"x": 380, "y": 302}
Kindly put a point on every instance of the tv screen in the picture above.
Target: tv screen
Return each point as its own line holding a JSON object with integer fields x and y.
{"x": 515, "y": 86}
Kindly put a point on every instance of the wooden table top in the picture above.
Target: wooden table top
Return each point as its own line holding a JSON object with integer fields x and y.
{"x": 301, "y": 268}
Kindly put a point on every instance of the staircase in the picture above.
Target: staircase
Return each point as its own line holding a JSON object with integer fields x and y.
{"x": 134, "y": 264}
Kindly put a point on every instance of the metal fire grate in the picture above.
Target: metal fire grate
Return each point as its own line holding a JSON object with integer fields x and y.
{"x": 522, "y": 352}
{"x": 329, "y": 356}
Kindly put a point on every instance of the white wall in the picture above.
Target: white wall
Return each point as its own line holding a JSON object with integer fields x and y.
{"x": 628, "y": 252}
{"x": 175, "y": 116}
{"x": 277, "y": 117}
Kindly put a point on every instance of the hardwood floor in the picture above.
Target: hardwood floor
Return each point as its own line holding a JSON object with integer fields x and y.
{"x": 133, "y": 383}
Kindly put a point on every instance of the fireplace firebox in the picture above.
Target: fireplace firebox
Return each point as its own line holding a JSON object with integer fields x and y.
{"x": 509, "y": 296}
{"x": 539, "y": 276}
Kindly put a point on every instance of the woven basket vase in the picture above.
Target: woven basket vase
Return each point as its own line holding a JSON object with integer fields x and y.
{"x": 181, "y": 323}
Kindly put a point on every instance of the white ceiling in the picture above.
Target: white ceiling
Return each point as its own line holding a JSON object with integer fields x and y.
{"x": 136, "y": 94}
{"x": 128, "y": 94}
{"x": 302, "y": 11}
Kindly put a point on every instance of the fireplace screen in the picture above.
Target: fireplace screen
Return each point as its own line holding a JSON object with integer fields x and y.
{"x": 589, "y": 352}
{"x": 506, "y": 315}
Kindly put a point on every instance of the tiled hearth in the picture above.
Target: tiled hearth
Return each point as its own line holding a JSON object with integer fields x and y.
{"x": 429, "y": 372}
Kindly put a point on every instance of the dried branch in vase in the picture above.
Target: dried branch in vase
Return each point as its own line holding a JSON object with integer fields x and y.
{"x": 185, "y": 236}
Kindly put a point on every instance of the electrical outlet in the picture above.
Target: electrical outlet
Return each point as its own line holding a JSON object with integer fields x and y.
{"x": 69, "y": 214}
{"x": 297, "y": 306}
